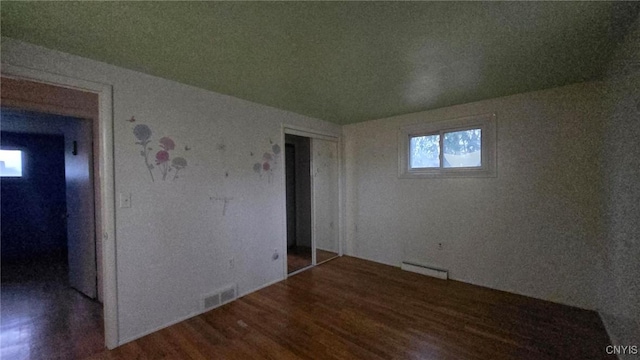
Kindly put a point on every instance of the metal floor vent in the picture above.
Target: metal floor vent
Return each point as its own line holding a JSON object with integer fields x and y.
{"x": 212, "y": 301}
{"x": 220, "y": 297}
{"x": 425, "y": 270}
{"x": 228, "y": 295}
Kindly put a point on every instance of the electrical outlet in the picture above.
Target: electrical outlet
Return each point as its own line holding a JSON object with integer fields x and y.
{"x": 275, "y": 255}
{"x": 440, "y": 246}
{"x": 125, "y": 200}
{"x": 231, "y": 263}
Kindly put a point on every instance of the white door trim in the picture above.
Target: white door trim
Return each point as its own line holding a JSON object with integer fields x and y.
{"x": 107, "y": 181}
{"x": 310, "y": 133}
{"x": 321, "y": 135}
{"x": 312, "y": 185}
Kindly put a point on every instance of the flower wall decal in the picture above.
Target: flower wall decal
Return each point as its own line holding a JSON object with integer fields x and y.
{"x": 268, "y": 163}
{"x": 164, "y": 164}
{"x": 167, "y": 144}
{"x": 162, "y": 157}
{"x": 143, "y": 133}
{"x": 162, "y": 160}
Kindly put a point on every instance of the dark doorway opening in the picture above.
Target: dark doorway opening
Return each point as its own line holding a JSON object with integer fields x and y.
{"x": 298, "y": 184}
{"x": 42, "y": 316}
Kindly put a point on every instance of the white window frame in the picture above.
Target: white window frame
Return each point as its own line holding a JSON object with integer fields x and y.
{"x": 485, "y": 122}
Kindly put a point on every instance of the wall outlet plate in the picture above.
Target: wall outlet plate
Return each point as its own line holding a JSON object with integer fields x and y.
{"x": 125, "y": 200}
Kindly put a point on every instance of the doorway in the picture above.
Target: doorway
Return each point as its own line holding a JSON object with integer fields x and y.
{"x": 49, "y": 272}
{"x": 42, "y": 91}
{"x": 312, "y": 199}
{"x": 298, "y": 182}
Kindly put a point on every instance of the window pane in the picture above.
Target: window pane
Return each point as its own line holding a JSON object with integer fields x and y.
{"x": 10, "y": 163}
{"x": 462, "y": 148}
{"x": 424, "y": 151}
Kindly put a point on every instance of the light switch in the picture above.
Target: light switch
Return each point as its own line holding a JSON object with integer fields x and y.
{"x": 125, "y": 200}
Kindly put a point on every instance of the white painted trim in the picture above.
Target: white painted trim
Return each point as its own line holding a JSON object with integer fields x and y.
{"x": 310, "y": 133}
{"x": 486, "y": 122}
{"x": 341, "y": 198}
{"x": 425, "y": 270}
{"x": 313, "y": 202}
{"x": 283, "y": 207}
{"x": 107, "y": 181}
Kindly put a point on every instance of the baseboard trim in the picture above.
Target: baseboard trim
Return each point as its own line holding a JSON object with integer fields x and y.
{"x": 425, "y": 270}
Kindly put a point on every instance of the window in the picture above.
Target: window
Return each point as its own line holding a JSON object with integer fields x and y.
{"x": 463, "y": 147}
{"x": 11, "y": 163}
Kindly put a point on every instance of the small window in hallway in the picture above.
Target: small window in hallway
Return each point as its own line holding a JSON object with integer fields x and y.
{"x": 11, "y": 163}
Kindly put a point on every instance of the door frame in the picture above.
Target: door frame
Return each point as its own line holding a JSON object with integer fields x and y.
{"x": 312, "y": 134}
{"x": 107, "y": 182}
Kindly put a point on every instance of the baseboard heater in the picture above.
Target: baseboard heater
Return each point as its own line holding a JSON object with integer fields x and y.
{"x": 425, "y": 270}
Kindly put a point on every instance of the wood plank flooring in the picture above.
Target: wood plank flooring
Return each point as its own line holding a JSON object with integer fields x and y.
{"x": 354, "y": 309}
{"x": 299, "y": 257}
{"x": 41, "y": 317}
{"x": 324, "y": 255}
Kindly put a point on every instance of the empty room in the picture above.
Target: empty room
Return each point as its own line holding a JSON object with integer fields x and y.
{"x": 320, "y": 180}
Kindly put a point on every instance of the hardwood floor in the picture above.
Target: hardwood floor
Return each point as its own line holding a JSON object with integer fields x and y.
{"x": 354, "y": 309}
{"x": 323, "y": 255}
{"x": 42, "y": 317}
{"x": 299, "y": 257}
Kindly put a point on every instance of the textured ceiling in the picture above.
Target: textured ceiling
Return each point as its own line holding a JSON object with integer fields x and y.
{"x": 340, "y": 61}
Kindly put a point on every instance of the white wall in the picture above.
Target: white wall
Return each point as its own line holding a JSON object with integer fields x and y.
{"x": 174, "y": 244}
{"x": 620, "y": 287}
{"x": 532, "y": 230}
